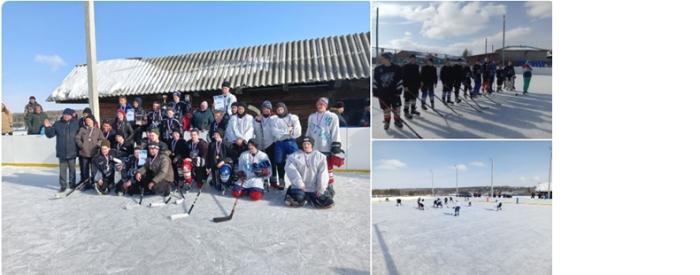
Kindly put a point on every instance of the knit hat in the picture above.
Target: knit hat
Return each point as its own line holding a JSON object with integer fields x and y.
{"x": 68, "y": 111}
{"x": 323, "y": 100}
{"x": 226, "y": 84}
{"x": 177, "y": 93}
{"x": 307, "y": 139}
{"x": 267, "y": 105}
{"x": 386, "y": 55}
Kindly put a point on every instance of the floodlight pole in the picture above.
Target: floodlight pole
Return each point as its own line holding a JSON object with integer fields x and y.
{"x": 503, "y": 42}
{"x": 492, "y": 178}
{"x": 93, "y": 95}
{"x": 456, "y": 180}
{"x": 549, "y": 181}
{"x": 432, "y": 179}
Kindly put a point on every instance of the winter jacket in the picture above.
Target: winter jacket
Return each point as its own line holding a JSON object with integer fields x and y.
{"x": 7, "y": 123}
{"x": 256, "y": 169}
{"x": 123, "y": 150}
{"x": 411, "y": 75}
{"x": 457, "y": 73}
{"x": 446, "y": 76}
{"x": 125, "y": 129}
{"x": 428, "y": 75}
{"x": 88, "y": 140}
{"x": 218, "y": 126}
{"x": 198, "y": 150}
{"x": 264, "y": 131}
{"x": 65, "y": 132}
{"x": 239, "y": 127}
{"x": 109, "y": 135}
{"x": 159, "y": 169}
{"x": 476, "y": 72}
{"x": 140, "y": 117}
{"x": 286, "y": 126}
{"x": 29, "y": 109}
{"x": 509, "y": 71}
{"x": 124, "y": 108}
{"x": 36, "y": 121}
{"x": 308, "y": 172}
{"x": 323, "y": 128}
{"x": 131, "y": 166}
{"x": 467, "y": 72}
{"x": 201, "y": 120}
{"x": 387, "y": 82}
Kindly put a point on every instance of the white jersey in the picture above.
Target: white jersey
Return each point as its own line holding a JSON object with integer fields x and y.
{"x": 263, "y": 131}
{"x": 228, "y": 100}
{"x": 239, "y": 127}
{"x": 248, "y": 164}
{"x": 307, "y": 172}
{"x": 286, "y": 127}
{"x": 323, "y": 128}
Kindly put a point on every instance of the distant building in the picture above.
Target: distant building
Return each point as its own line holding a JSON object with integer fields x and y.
{"x": 542, "y": 190}
{"x": 536, "y": 57}
{"x": 295, "y": 72}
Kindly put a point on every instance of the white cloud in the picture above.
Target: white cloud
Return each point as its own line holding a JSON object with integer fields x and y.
{"x": 539, "y": 10}
{"x": 443, "y": 19}
{"x": 523, "y": 178}
{"x": 390, "y": 164}
{"x": 476, "y": 46}
{"x": 477, "y": 164}
{"x": 54, "y": 61}
{"x": 461, "y": 167}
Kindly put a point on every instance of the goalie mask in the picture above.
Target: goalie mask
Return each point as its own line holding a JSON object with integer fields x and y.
{"x": 225, "y": 173}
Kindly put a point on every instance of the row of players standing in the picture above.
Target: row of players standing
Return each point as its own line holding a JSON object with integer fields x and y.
{"x": 474, "y": 78}
{"x": 234, "y": 137}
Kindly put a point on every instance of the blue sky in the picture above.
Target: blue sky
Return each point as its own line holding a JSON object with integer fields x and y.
{"x": 42, "y": 41}
{"x": 450, "y": 27}
{"x": 407, "y": 164}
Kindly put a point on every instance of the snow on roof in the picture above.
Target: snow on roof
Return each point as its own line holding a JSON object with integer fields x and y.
{"x": 295, "y": 62}
{"x": 522, "y": 48}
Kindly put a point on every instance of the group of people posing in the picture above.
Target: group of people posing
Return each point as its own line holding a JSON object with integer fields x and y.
{"x": 391, "y": 81}
{"x": 149, "y": 152}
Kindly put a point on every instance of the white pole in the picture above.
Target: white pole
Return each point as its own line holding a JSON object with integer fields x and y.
{"x": 492, "y": 178}
{"x": 432, "y": 179}
{"x": 456, "y": 180}
{"x": 93, "y": 95}
{"x": 549, "y": 181}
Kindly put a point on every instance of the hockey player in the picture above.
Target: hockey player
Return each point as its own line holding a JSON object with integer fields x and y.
{"x": 387, "y": 87}
{"x": 411, "y": 82}
{"x": 308, "y": 174}
{"x": 457, "y": 79}
{"x": 527, "y": 76}
{"x": 253, "y": 171}
{"x": 219, "y": 123}
{"x": 323, "y": 128}
{"x": 457, "y": 210}
{"x": 510, "y": 76}
{"x": 139, "y": 122}
{"x": 169, "y": 126}
{"x": 500, "y": 78}
{"x": 398, "y": 202}
{"x": 219, "y": 154}
{"x": 155, "y": 116}
{"x": 492, "y": 70}
{"x": 198, "y": 149}
{"x": 447, "y": 83}
{"x": 263, "y": 129}
{"x": 131, "y": 165}
{"x": 240, "y": 125}
{"x": 179, "y": 107}
{"x": 286, "y": 128}
{"x": 121, "y": 125}
{"x": 476, "y": 76}
{"x": 88, "y": 141}
{"x": 428, "y": 77}
{"x": 420, "y": 205}
{"x": 467, "y": 78}
{"x": 229, "y": 98}
{"x": 156, "y": 175}
{"x": 499, "y": 207}
{"x": 122, "y": 148}
{"x": 104, "y": 166}
{"x": 485, "y": 76}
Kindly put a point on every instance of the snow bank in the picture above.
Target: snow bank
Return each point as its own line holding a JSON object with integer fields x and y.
{"x": 517, "y": 240}
{"x": 90, "y": 234}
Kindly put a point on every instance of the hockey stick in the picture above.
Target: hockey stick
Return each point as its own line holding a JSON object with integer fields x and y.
{"x": 431, "y": 107}
{"x": 490, "y": 99}
{"x": 402, "y": 120}
{"x": 227, "y": 218}
{"x": 448, "y": 106}
{"x": 141, "y": 198}
{"x": 183, "y": 215}
{"x": 80, "y": 185}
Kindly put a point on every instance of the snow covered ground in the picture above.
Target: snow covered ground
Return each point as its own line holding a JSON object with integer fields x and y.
{"x": 517, "y": 240}
{"x": 90, "y": 234}
{"x": 518, "y": 116}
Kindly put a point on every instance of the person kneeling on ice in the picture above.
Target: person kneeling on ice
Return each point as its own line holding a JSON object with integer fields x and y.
{"x": 131, "y": 166}
{"x": 104, "y": 167}
{"x": 420, "y": 205}
{"x": 398, "y": 202}
{"x": 457, "y": 210}
{"x": 308, "y": 173}
{"x": 253, "y": 171}
{"x": 156, "y": 175}
{"x": 499, "y": 207}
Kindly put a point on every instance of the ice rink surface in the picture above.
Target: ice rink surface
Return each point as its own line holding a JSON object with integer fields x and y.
{"x": 528, "y": 117}
{"x": 90, "y": 234}
{"x": 516, "y": 240}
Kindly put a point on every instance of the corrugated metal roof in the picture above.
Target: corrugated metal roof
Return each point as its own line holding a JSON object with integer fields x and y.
{"x": 295, "y": 62}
